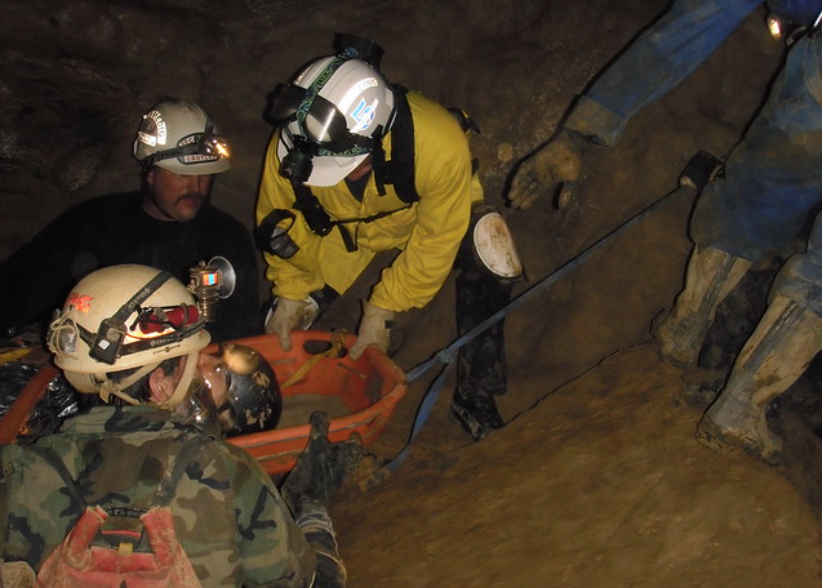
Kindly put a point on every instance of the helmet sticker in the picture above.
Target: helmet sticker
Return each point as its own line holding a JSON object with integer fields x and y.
{"x": 356, "y": 90}
{"x": 80, "y": 302}
{"x": 192, "y": 159}
{"x": 153, "y": 131}
{"x": 364, "y": 115}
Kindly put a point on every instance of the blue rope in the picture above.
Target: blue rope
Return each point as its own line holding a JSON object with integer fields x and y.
{"x": 446, "y": 355}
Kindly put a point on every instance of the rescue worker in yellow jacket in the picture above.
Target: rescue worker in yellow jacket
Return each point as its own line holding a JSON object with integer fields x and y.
{"x": 359, "y": 166}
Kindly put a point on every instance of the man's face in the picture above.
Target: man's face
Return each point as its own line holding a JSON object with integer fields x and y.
{"x": 173, "y": 197}
{"x": 210, "y": 370}
{"x": 206, "y": 392}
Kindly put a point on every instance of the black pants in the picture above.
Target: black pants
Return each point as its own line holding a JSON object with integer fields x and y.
{"x": 481, "y": 366}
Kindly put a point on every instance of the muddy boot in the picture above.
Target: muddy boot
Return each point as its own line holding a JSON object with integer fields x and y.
{"x": 779, "y": 351}
{"x": 478, "y": 416}
{"x": 322, "y": 467}
{"x": 711, "y": 275}
{"x": 734, "y": 424}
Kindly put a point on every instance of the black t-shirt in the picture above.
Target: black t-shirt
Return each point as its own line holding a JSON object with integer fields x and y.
{"x": 114, "y": 229}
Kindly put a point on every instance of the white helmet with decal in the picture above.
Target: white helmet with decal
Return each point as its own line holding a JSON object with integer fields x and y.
{"x": 330, "y": 117}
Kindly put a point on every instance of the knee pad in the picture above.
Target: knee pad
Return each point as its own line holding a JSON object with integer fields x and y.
{"x": 488, "y": 245}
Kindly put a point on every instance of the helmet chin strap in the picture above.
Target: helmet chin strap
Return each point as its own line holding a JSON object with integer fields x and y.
{"x": 184, "y": 384}
{"x": 107, "y": 388}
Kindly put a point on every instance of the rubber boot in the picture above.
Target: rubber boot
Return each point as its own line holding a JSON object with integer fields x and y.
{"x": 734, "y": 323}
{"x": 481, "y": 365}
{"x": 323, "y": 466}
{"x": 711, "y": 275}
{"x": 786, "y": 340}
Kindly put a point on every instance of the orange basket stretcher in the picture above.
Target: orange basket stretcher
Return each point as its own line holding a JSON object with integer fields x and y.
{"x": 317, "y": 374}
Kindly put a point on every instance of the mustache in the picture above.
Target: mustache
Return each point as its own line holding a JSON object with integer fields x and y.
{"x": 198, "y": 195}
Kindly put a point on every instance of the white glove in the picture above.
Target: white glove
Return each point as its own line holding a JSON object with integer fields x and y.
{"x": 375, "y": 329}
{"x": 290, "y": 315}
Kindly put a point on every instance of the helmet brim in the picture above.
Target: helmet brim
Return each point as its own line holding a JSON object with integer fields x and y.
{"x": 204, "y": 168}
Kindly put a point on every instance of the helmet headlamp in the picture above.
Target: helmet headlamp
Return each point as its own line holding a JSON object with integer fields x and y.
{"x": 153, "y": 326}
{"x": 157, "y": 320}
{"x": 211, "y": 282}
{"x": 297, "y": 165}
{"x": 193, "y": 149}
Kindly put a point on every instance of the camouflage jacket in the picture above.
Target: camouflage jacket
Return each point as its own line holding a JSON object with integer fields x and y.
{"x": 228, "y": 515}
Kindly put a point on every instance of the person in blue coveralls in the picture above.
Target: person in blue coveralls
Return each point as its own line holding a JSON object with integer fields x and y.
{"x": 763, "y": 199}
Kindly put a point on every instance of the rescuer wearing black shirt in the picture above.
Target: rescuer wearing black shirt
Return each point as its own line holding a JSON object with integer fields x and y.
{"x": 169, "y": 225}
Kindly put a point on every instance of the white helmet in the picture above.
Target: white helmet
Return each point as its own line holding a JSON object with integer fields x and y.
{"x": 330, "y": 118}
{"x": 179, "y": 136}
{"x": 121, "y": 317}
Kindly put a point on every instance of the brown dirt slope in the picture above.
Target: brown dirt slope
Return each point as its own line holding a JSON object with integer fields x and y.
{"x": 600, "y": 484}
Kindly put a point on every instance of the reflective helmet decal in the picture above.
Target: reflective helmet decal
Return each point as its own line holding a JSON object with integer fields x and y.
{"x": 153, "y": 131}
{"x": 364, "y": 115}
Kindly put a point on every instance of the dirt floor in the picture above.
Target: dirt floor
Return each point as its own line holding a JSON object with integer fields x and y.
{"x": 596, "y": 480}
{"x": 600, "y": 484}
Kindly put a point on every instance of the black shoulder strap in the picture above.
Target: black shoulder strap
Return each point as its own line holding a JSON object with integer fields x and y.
{"x": 313, "y": 212}
{"x": 399, "y": 170}
{"x": 316, "y": 216}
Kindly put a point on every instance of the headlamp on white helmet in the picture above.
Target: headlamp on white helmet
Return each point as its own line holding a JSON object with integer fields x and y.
{"x": 333, "y": 115}
{"x": 179, "y": 136}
